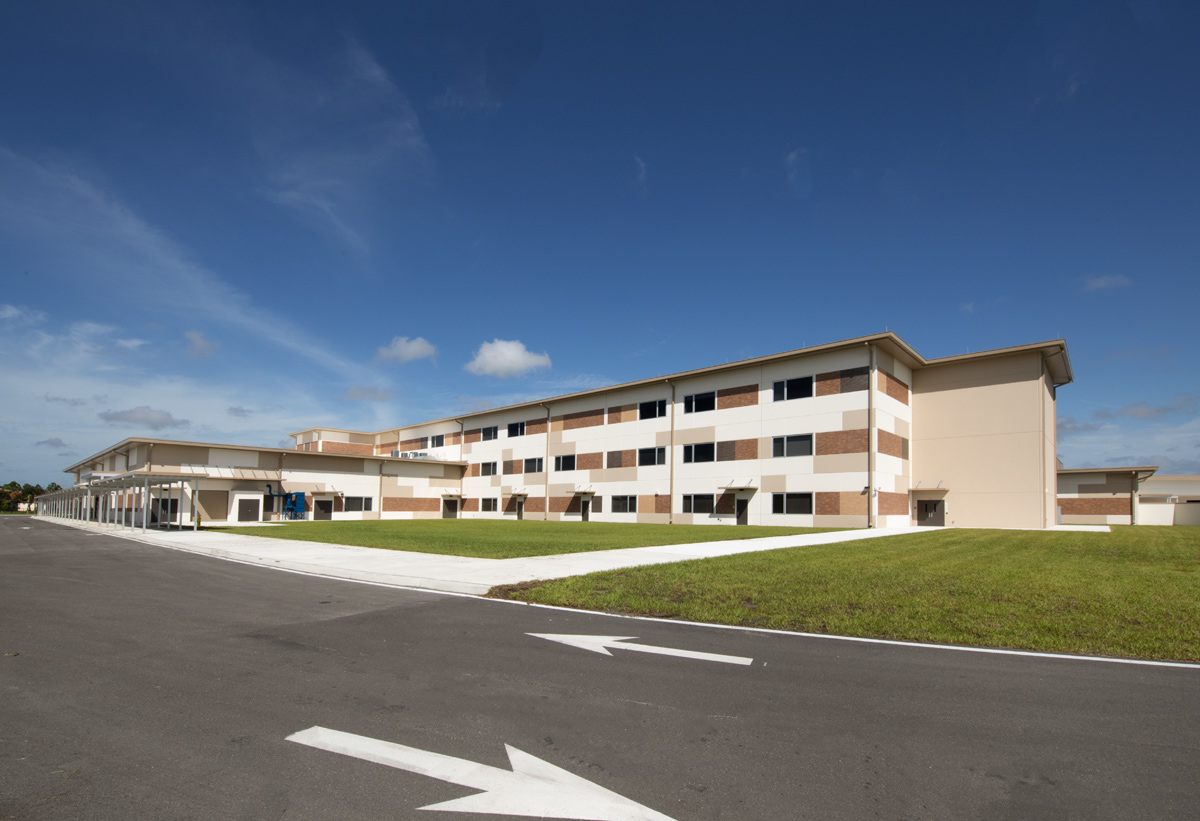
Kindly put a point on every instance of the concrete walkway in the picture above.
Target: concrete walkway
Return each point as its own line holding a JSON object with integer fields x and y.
{"x": 451, "y": 574}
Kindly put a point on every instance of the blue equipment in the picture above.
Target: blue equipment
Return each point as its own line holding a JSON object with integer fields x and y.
{"x": 293, "y": 503}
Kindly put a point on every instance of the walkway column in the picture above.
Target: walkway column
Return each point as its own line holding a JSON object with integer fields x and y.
{"x": 145, "y": 502}
{"x": 195, "y": 504}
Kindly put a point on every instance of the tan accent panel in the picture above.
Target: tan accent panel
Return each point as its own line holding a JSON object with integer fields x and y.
{"x": 396, "y": 489}
{"x": 840, "y": 463}
{"x": 589, "y": 461}
{"x": 739, "y": 397}
{"x": 581, "y": 419}
{"x": 176, "y": 455}
{"x": 615, "y": 475}
{"x": 892, "y": 445}
{"x": 662, "y": 439}
{"x": 1095, "y": 506}
{"x": 690, "y": 436}
{"x": 893, "y": 387}
{"x": 651, "y": 518}
{"x": 774, "y": 484}
{"x": 214, "y": 505}
{"x": 854, "y": 503}
{"x": 1114, "y": 483}
{"x": 840, "y": 441}
{"x": 535, "y": 427}
{"x": 893, "y": 504}
{"x": 472, "y": 436}
{"x": 346, "y": 447}
{"x": 662, "y": 504}
{"x": 903, "y": 428}
{"x": 725, "y": 503}
{"x": 855, "y": 419}
{"x": 622, "y": 413}
{"x": 296, "y": 461}
{"x": 827, "y": 504}
{"x": 411, "y": 504}
{"x": 839, "y": 521}
{"x": 443, "y": 483}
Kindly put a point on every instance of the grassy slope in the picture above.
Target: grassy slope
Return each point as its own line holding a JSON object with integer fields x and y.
{"x": 492, "y": 539}
{"x": 1134, "y": 592}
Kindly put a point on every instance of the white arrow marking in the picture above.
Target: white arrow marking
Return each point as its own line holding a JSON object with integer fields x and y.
{"x": 600, "y": 644}
{"x": 533, "y": 788}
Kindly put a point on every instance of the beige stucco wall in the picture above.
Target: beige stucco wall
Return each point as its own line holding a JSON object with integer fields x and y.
{"x": 979, "y": 430}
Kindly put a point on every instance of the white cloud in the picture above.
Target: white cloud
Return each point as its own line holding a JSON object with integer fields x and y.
{"x": 1069, "y": 426}
{"x": 143, "y": 416}
{"x": 1183, "y": 404}
{"x": 19, "y": 313}
{"x": 53, "y": 442}
{"x": 366, "y": 393}
{"x": 967, "y": 307}
{"x": 403, "y": 349}
{"x": 131, "y": 344}
{"x": 504, "y": 358}
{"x": 240, "y": 412}
{"x": 199, "y": 345}
{"x": 1105, "y": 282}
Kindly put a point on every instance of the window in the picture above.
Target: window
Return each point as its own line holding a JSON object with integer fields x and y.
{"x": 487, "y": 469}
{"x": 516, "y": 429}
{"x": 353, "y": 504}
{"x": 564, "y": 462}
{"x": 697, "y": 402}
{"x": 652, "y": 410}
{"x": 791, "y": 503}
{"x": 799, "y": 388}
{"x": 491, "y": 433}
{"x": 698, "y": 503}
{"x": 489, "y": 505}
{"x": 706, "y": 452}
{"x": 652, "y": 456}
{"x": 534, "y": 465}
{"x": 800, "y": 445}
{"x": 438, "y": 441}
{"x": 624, "y": 504}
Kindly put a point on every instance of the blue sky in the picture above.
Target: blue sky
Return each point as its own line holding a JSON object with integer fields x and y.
{"x": 227, "y": 221}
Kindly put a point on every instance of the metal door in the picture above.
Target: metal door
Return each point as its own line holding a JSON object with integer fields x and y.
{"x": 743, "y": 511}
{"x": 248, "y": 510}
{"x": 322, "y": 509}
{"x": 450, "y": 508}
{"x": 931, "y": 513}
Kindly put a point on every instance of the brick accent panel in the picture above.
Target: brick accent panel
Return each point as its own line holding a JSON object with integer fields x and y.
{"x": 725, "y": 503}
{"x": 565, "y": 504}
{"x": 386, "y": 449}
{"x": 454, "y": 438}
{"x": 745, "y": 449}
{"x": 589, "y": 461}
{"x": 536, "y": 504}
{"x": 738, "y": 397}
{"x": 582, "y": 419}
{"x": 893, "y": 387}
{"x": 1096, "y": 506}
{"x": 339, "y": 504}
{"x": 622, "y": 413}
{"x": 513, "y": 466}
{"x": 841, "y": 441}
{"x": 893, "y": 504}
{"x": 346, "y": 447}
{"x": 855, "y": 379}
{"x": 411, "y": 504}
{"x": 533, "y": 427}
{"x": 470, "y": 505}
{"x": 472, "y": 436}
{"x": 662, "y": 504}
{"x": 510, "y": 504}
{"x": 414, "y": 444}
{"x": 473, "y": 470}
{"x": 828, "y": 504}
{"x": 726, "y": 451}
{"x": 892, "y": 445}
{"x": 622, "y": 458}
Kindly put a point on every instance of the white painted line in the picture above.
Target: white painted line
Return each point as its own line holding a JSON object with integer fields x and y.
{"x": 601, "y": 644}
{"x": 533, "y": 788}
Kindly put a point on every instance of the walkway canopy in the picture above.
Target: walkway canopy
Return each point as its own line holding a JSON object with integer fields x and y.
{"x": 127, "y": 500}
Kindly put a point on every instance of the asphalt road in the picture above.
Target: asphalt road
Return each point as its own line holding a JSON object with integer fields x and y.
{"x": 143, "y": 683}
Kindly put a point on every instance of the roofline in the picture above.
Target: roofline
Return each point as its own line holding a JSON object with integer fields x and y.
{"x": 899, "y": 346}
{"x": 132, "y": 440}
{"x": 1152, "y": 469}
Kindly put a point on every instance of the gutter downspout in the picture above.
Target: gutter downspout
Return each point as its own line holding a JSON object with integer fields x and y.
{"x": 872, "y": 502}
{"x": 546, "y": 464}
{"x": 1133, "y": 499}
{"x": 671, "y": 456}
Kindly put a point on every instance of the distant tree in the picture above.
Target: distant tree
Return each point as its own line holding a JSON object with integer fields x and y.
{"x": 53, "y": 486}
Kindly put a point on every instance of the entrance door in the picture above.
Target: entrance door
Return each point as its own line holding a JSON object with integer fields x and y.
{"x": 931, "y": 513}
{"x": 585, "y": 507}
{"x": 322, "y": 510}
{"x": 449, "y": 508}
{"x": 248, "y": 510}
{"x": 743, "y": 511}
{"x": 520, "y": 509}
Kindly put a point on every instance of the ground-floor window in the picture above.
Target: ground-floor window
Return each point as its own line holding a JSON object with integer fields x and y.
{"x": 791, "y": 503}
{"x": 624, "y": 504}
{"x": 698, "y": 503}
{"x": 489, "y": 505}
{"x": 357, "y": 504}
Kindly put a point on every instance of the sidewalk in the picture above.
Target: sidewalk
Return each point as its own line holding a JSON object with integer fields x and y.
{"x": 452, "y": 574}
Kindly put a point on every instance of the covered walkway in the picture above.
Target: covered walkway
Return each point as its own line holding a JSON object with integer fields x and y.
{"x": 127, "y": 501}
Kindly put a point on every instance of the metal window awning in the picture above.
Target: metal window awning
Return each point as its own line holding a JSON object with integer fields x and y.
{"x": 304, "y": 487}
{"x": 519, "y": 491}
{"x": 452, "y": 494}
{"x": 585, "y": 489}
{"x": 739, "y": 484}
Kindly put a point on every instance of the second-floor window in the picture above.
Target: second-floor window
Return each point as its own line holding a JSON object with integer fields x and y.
{"x": 487, "y": 469}
{"x": 800, "y": 445}
{"x": 491, "y": 433}
{"x": 697, "y": 402}
{"x": 564, "y": 462}
{"x": 534, "y": 465}
{"x": 652, "y": 456}
{"x": 653, "y": 409}
{"x": 705, "y": 452}
{"x": 516, "y": 429}
{"x": 799, "y": 388}
{"x": 437, "y": 441}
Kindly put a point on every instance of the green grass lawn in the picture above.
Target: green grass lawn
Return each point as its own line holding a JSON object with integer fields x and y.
{"x": 492, "y": 539}
{"x": 1134, "y": 592}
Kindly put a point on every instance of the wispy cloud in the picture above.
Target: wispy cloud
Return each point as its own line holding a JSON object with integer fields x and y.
{"x": 1069, "y": 426}
{"x": 366, "y": 393}
{"x": 967, "y": 307}
{"x": 1103, "y": 283}
{"x": 1153, "y": 354}
{"x": 1183, "y": 404}
{"x": 19, "y": 313}
{"x": 53, "y": 442}
{"x": 197, "y": 344}
{"x": 240, "y": 412}
{"x": 143, "y": 416}
{"x": 73, "y": 402}
{"x": 505, "y": 358}
{"x": 798, "y": 171}
{"x": 639, "y": 178}
{"x": 403, "y": 349}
